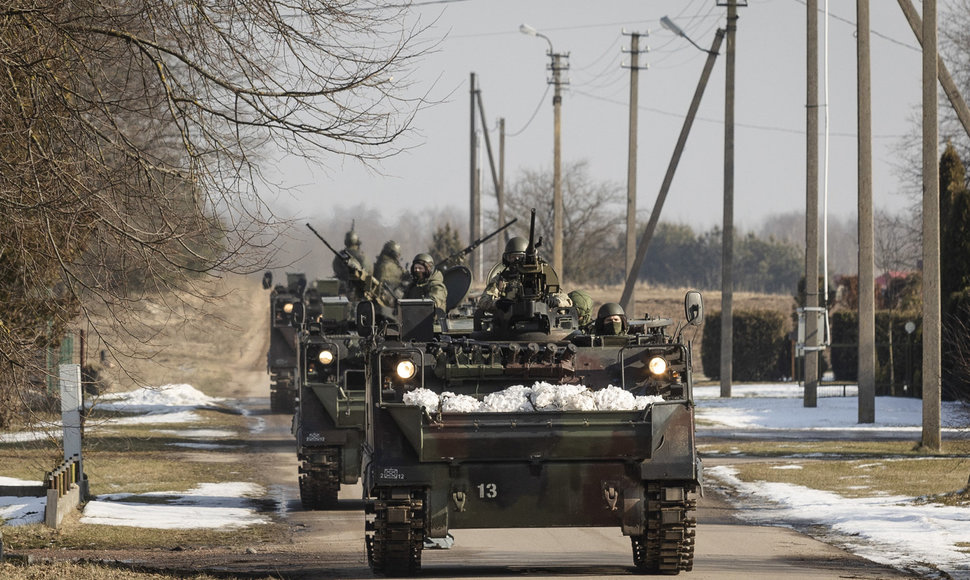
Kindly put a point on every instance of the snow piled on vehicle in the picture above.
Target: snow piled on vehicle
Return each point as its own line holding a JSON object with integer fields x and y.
{"x": 541, "y": 397}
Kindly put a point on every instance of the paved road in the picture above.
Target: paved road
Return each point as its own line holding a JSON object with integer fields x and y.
{"x": 329, "y": 544}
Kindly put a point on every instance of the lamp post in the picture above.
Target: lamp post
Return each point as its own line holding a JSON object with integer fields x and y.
{"x": 557, "y": 65}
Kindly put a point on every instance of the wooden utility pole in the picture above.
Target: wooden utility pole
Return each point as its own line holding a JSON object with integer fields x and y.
{"x": 867, "y": 302}
{"x": 811, "y": 209}
{"x": 474, "y": 213}
{"x": 727, "y": 233}
{"x": 932, "y": 323}
{"x": 500, "y": 194}
{"x": 557, "y": 205}
{"x": 631, "y": 173}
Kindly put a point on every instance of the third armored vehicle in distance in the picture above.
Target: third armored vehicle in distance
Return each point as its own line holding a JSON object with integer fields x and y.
{"x": 528, "y": 421}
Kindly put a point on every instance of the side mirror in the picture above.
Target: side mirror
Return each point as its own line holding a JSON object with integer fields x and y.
{"x": 694, "y": 308}
{"x": 267, "y": 280}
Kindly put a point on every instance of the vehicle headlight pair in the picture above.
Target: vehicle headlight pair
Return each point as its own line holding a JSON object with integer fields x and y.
{"x": 657, "y": 365}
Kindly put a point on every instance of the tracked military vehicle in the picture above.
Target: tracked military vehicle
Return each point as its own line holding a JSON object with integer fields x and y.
{"x": 469, "y": 430}
{"x": 329, "y": 421}
{"x": 285, "y": 303}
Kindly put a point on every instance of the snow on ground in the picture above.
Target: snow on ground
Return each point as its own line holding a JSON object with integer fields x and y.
{"x": 891, "y": 530}
{"x": 210, "y": 505}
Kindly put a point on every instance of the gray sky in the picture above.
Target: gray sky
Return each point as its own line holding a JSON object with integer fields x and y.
{"x": 482, "y": 36}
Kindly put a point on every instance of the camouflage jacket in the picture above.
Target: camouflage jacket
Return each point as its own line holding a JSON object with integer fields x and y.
{"x": 433, "y": 288}
{"x": 389, "y": 271}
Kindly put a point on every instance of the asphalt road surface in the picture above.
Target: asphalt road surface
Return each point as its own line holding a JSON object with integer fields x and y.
{"x": 330, "y": 544}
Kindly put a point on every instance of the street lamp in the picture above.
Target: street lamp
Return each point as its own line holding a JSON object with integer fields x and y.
{"x": 671, "y": 26}
{"x": 556, "y": 66}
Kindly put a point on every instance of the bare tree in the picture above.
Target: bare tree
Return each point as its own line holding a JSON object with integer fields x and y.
{"x": 131, "y": 140}
{"x": 592, "y": 223}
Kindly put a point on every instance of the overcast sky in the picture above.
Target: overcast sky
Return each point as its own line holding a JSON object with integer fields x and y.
{"x": 483, "y": 37}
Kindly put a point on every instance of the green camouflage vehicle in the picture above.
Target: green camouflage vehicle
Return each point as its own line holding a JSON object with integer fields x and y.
{"x": 526, "y": 422}
{"x": 285, "y": 302}
{"x": 329, "y": 421}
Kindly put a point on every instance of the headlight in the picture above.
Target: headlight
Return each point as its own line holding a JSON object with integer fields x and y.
{"x": 288, "y": 308}
{"x": 406, "y": 369}
{"x": 657, "y": 365}
{"x": 325, "y": 357}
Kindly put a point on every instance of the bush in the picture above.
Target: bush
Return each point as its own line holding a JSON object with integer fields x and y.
{"x": 760, "y": 350}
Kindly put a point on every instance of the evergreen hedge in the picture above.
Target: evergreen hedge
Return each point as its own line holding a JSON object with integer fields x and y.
{"x": 760, "y": 349}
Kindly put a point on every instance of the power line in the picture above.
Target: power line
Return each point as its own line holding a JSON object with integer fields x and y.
{"x": 871, "y": 31}
{"x": 534, "y": 113}
{"x": 767, "y": 128}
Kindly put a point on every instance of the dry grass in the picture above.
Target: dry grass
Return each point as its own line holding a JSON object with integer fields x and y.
{"x": 855, "y": 468}
{"x": 87, "y": 571}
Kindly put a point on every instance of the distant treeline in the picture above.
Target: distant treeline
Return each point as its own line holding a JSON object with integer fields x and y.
{"x": 677, "y": 256}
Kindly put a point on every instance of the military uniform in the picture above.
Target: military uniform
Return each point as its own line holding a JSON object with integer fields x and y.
{"x": 387, "y": 268}
{"x": 427, "y": 282}
{"x": 342, "y": 269}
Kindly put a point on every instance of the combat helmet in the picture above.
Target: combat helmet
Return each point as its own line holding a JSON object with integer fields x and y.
{"x": 426, "y": 262}
{"x": 515, "y": 250}
{"x": 604, "y": 313}
{"x": 351, "y": 240}
{"x": 392, "y": 249}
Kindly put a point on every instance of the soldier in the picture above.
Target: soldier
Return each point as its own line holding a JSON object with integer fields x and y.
{"x": 506, "y": 284}
{"x": 341, "y": 269}
{"x": 584, "y": 308}
{"x": 611, "y": 319}
{"x": 427, "y": 282}
{"x": 387, "y": 267}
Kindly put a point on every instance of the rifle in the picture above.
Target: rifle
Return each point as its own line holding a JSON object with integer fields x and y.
{"x": 368, "y": 286}
{"x": 459, "y": 257}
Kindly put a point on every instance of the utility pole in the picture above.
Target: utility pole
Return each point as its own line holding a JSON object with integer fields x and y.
{"x": 474, "y": 214}
{"x": 557, "y": 65}
{"x": 500, "y": 194}
{"x": 867, "y": 306}
{"x": 811, "y": 209}
{"x": 727, "y": 240}
{"x": 631, "y": 174}
{"x": 932, "y": 322}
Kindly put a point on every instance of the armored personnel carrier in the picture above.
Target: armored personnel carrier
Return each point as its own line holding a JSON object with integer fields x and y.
{"x": 528, "y": 421}
{"x": 285, "y": 305}
{"x": 329, "y": 421}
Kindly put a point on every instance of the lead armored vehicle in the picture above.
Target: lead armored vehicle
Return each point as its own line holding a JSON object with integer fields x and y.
{"x": 526, "y": 421}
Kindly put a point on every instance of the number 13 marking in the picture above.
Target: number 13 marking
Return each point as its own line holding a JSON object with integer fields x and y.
{"x": 487, "y": 490}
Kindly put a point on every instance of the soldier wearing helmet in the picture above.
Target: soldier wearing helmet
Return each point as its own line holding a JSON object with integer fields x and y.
{"x": 505, "y": 281}
{"x": 342, "y": 267}
{"x": 387, "y": 267}
{"x": 584, "y": 307}
{"x": 611, "y": 320}
{"x": 427, "y": 282}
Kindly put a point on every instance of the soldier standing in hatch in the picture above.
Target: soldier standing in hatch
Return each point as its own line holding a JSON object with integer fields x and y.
{"x": 506, "y": 284}
{"x": 427, "y": 282}
{"x": 387, "y": 267}
{"x": 611, "y": 320}
{"x": 341, "y": 269}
